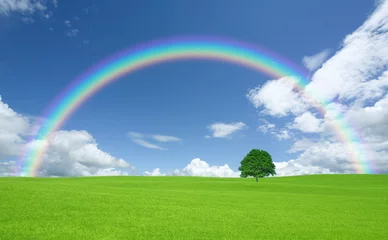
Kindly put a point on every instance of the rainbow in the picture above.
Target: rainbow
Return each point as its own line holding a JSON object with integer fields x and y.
{"x": 130, "y": 60}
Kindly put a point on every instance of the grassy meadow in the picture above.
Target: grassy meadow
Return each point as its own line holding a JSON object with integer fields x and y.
{"x": 303, "y": 207}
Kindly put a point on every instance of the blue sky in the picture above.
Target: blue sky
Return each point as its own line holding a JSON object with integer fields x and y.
{"x": 44, "y": 48}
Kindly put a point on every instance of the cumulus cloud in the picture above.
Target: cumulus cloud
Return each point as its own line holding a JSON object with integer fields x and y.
{"x": 354, "y": 72}
{"x": 317, "y": 156}
{"x": 367, "y": 155}
{"x": 13, "y": 128}
{"x": 155, "y": 172}
{"x": 198, "y": 167}
{"x": 315, "y": 61}
{"x": 308, "y": 123}
{"x": 293, "y": 168}
{"x": 139, "y": 138}
{"x": 69, "y": 153}
{"x": 278, "y": 97}
{"x": 371, "y": 125}
{"x": 332, "y": 155}
{"x": 225, "y": 130}
{"x": 301, "y": 144}
{"x": 76, "y": 153}
{"x": 372, "y": 121}
{"x": 357, "y": 71}
{"x": 356, "y": 76}
{"x": 353, "y": 84}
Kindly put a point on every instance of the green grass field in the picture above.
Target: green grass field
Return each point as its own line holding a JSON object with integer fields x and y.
{"x": 304, "y": 207}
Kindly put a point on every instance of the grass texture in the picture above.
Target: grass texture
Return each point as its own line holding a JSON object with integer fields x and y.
{"x": 303, "y": 207}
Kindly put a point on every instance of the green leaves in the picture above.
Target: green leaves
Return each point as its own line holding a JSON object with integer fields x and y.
{"x": 257, "y": 163}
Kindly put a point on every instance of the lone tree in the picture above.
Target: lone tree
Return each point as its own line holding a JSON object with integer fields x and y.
{"x": 257, "y": 163}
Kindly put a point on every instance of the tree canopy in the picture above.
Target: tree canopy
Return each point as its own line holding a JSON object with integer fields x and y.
{"x": 257, "y": 163}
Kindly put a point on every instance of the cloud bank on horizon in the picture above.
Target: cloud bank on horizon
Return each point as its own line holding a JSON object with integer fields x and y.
{"x": 354, "y": 79}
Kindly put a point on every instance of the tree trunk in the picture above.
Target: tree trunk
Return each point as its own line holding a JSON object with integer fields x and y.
{"x": 257, "y": 179}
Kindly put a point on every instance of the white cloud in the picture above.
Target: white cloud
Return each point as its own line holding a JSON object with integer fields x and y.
{"x": 352, "y": 73}
{"x": 354, "y": 83}
{"x": 139, "y": 138}
{"x": 332, "y": 155}
{"x": 327, "y": 152}
{"x": 301, "y": 145}
{"x": 357, "y": 71}
{"x": 308, "y": 123}
{"x": 266, "y": 126}
{"x": 22, "y": 6}
{"x": 10, "y": 144}
{"x": 70, "y": 153}
{"x": 146, "y": 144}
{"x": 357, "y": 76}
{"x": 13, "y": 127}
{"x": 27, "y": 10}
{"x": 11, "y": 121}
{"x": 109, "y": 172}
{"x": 197, "y": 167}
{"x": 315, "y": 61}
{"x": 76, "y": 153}
{"x": 371, "y": 123}
{"x": 270, "y": 128}
{"x": 292, "y": 168}
{"x": 164, "y": 138}
{"x": 155, "y": 172}
{"x": 283, "y": 134}
{"x": 278, "y": 97}
{"x": 225, "y": 130}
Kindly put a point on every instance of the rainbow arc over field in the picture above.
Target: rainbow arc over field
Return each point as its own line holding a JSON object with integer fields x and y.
{"x": 178, "y": 49}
